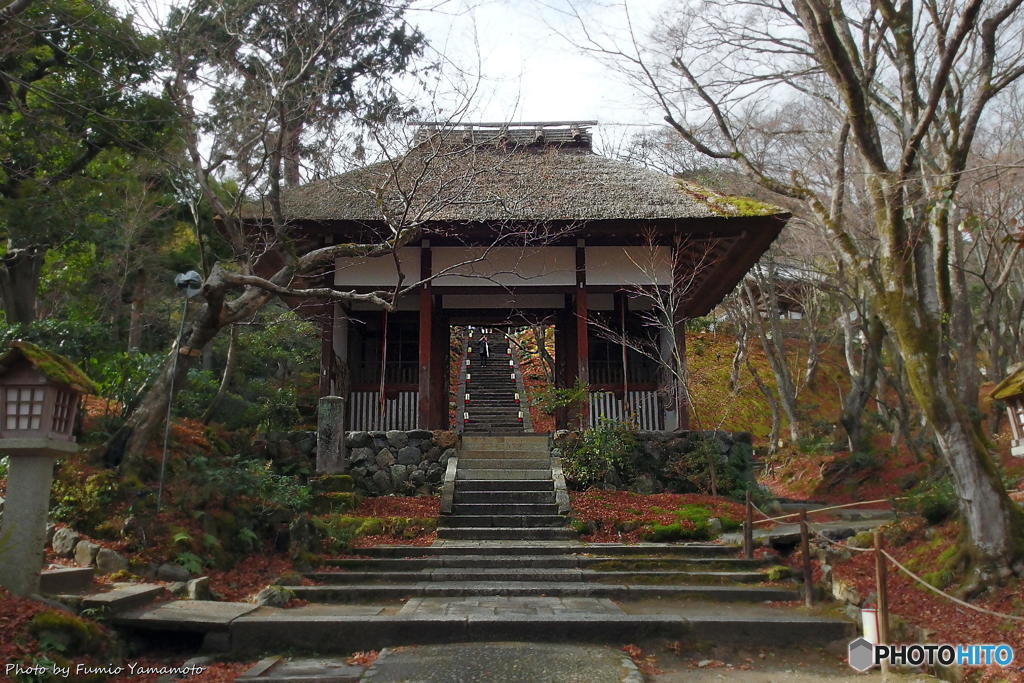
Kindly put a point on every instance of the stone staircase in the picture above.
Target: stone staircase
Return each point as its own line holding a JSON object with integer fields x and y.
{"x": 505, "y": 490}
{"x": 492, "y": 407}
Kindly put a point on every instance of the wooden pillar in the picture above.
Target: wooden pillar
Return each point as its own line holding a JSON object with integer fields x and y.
{"x": 581, "y": 316}
{"x": 425, "y": 338}
{"x": 325, "y": 318}
{"x": 440, "y": 357}
{"x": 565, "y": 370}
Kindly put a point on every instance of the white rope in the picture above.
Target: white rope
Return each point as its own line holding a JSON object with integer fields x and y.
{"x": 831, "y": 507}
{"x": 837, "y": 543}
{"x": 947, "y": 595}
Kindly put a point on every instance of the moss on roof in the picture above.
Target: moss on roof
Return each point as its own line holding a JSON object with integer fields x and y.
{"x": 53, "y": 366}
{"x": 1012, "y": 384}
{"x": 729, "y": 205}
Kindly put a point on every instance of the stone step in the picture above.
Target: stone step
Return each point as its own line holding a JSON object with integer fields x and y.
{"x": 480, "y": 428}
{"x": 603, "y": 551}
{"x": 501, "y": 475}
{"x": 506, "y": 533}
{"x": 511, "y": 508}
{"x": 521, "y": 443}
{"x": 560, "y": 589}
{"x": 503, "y": 455}
{"x": 489, "y": 485}
{"x": 65, "y": 580}
{"x": 120, "y": 597}
{"x": 505, "y": 498}
{"x": 549, "y": 574}
{"x": 309, "y": 630}
{"x": 504, "y": 463}
{"x": 498, "y": 521}
{"x": 534, "y": 561}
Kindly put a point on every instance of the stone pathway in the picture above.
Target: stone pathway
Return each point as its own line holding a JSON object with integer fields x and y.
{"x": 511, "y": 607}
{"x": 492, "y": 662}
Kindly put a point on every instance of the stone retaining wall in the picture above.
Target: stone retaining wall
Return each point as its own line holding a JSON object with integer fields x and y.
{"x": 663, "y": 461}
{"x": 380, "y": 463}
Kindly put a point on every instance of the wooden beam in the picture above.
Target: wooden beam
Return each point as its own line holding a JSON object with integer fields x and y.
{"x": 425, "y": 338}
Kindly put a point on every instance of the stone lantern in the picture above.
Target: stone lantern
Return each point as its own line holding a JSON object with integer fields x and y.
{"x": 39, "y": 397}
{"x": 1011, "y": 392}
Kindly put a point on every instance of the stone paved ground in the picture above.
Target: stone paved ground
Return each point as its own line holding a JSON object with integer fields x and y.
{"x": 511, "y": 607}
{"x": 500, "y": 662}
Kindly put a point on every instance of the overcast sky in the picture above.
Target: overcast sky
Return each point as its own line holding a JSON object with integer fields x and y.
{"x": 530, "y": 72}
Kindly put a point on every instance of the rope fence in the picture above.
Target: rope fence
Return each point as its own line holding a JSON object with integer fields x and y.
{"x": 881, "y": 555}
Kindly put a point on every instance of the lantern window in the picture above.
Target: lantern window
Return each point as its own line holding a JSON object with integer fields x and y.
{"x": 63, "y": 412}
{"x": 23, "y": 408}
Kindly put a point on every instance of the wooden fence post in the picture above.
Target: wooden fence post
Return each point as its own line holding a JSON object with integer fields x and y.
{"x": 748, "y": 530}
{"x": 882, "y": 590}
{"x": 805, "y": 550}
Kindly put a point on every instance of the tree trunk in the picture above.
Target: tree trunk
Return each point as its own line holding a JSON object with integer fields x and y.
{"x": 770, "y": 334}
{"x": 225, "y": 380}
{"x": 773, "y": 405}
{"x": 863, "y": 377}
{"x": 993, "y": 524}
{"x": 547, "y": 363}
{"x": 137, "y": 307}
{"x": 19, "y": 283}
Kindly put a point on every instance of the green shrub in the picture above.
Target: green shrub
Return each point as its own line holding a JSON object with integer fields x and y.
{"x": 936, "y": 501}
{"x": 550, "y": 399}
{"x": 66, "y": 633}
{"x": 665, "y": 533}
{"x": 608, "y": 447}
{"x": 778, "y": 572}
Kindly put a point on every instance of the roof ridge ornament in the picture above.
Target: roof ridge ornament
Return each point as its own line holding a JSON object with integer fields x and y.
{"x": 508, "y": 134}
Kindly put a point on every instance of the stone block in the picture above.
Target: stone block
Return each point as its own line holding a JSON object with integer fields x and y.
{"x": 199, "y": 589}
{"x": 399, "y": 475}
{"x": 357, "y": 439}
{"x": 433, "y": 454}
{"x": 64, "y": 541}
{"x": 172, "y": 572}
{"x": 360, "y": 455}
{"x": 385, "y": 459}
{"x": 421, "y": 434}
{"x": 85, "y": 553}
{"x": 409, "y": 455}
{"x": 435, "y": 473}
{"x": 397, "y": 439}
{"x": 418, "y": 478}
{"x": 109, "y": 561}
{"x": 382, "y": 481}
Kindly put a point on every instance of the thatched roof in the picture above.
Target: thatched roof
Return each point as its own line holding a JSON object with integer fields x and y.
{"x": 1012, "y": 385}
{"x": 449, "y": 179}
{"x": 53, "y": 366}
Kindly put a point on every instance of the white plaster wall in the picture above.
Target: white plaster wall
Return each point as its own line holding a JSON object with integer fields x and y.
{"x": 483, "y": 267}
{"x": 503, "y": 300}
{"x": 629, "y": 265}
{"x": 381, "y": 270}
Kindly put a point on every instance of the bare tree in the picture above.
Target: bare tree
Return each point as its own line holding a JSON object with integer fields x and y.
{"x": 908, "y": 86}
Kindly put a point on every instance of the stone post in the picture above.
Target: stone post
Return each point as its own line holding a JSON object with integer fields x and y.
{"x": 330, "y": 436}
{"x": 23, "y": 528}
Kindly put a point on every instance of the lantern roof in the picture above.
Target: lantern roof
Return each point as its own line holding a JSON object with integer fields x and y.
{"x": 1012, "y": 385}
{"x": 53, "y": 366}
